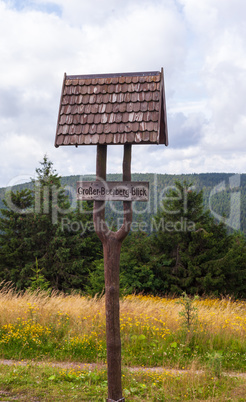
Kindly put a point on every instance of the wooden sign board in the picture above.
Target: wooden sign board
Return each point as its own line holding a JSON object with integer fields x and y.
{"x": 113, "y": 191}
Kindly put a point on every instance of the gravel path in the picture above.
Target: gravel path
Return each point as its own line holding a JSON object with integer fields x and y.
{"x": 94, "y": 366}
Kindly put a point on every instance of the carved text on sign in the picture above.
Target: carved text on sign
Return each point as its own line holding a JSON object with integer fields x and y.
{"x": 113, "y": 191}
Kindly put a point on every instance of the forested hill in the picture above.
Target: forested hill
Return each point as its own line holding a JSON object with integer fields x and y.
{"x": 224, "y": 194}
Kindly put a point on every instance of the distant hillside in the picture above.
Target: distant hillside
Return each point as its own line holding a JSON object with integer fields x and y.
{"x": 225, "y": 193}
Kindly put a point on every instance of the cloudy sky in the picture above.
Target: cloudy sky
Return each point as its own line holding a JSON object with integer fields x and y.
{"x": 200, "y": 44}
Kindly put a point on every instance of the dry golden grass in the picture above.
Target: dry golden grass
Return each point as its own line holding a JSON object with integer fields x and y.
{"x": 223, "y": 315}
{"x": 50, "y": 309}
{"x": 72, "y": 328}
{"x": 215, "y": 315}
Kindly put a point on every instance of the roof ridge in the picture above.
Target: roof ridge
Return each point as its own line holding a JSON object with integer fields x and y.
{"x": 133, "y": 74}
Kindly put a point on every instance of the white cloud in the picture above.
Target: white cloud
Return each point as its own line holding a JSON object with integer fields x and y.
{"x": 200, "y": 44}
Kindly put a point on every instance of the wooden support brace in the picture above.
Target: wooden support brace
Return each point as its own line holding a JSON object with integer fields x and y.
{"x": 111, "y": 249}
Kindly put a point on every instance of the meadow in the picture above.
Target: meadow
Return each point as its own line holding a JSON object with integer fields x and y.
{"x": 204, "y": 340}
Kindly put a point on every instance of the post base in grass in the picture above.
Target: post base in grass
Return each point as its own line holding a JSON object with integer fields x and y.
{"x": 119, "y": 400}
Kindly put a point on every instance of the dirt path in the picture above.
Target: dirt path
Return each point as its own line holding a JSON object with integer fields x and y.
{"x": 94, "y": 366}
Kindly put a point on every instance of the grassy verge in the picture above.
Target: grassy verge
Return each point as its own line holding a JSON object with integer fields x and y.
{"x": 44, "y": 383}
{"x": 153, "y": 332}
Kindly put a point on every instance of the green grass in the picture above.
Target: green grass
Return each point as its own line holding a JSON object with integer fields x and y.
{"x": 44, "y": 383}
{"x": 182, "y": 349}
{"x": 27, "y": 339}
{"x": 30, "y": 340}
{"x": 57, "y": 328}
{"x": 39, "y": 327}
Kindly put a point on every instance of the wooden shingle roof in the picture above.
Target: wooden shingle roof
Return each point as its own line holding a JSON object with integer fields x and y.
{"x": 112, "y": 109}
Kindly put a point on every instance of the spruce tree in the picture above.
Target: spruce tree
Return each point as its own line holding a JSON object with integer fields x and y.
{"x": 189, "y": 243}
{"x": 233, "y": 266}
{"x": 49, "y": 197}
{"x": 15, "y": 243}
{"x": 66, "y": 243}
{"x": 33, "y": 233}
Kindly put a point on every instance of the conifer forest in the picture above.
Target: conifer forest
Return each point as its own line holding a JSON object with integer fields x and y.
{"x": 189, "y": 237}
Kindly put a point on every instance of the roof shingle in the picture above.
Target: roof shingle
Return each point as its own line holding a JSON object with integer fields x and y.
{"x": 112, "y": 109}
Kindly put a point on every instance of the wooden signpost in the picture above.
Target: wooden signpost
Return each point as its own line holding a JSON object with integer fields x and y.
{"x": 111, "y": 251}
{"x": 112, "y": 191}
{"x": 112, "y": 109}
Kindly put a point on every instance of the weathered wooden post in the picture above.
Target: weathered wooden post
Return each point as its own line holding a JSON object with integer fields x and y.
{"x": 111, "y": 249}
{"x": 112, "y": 109}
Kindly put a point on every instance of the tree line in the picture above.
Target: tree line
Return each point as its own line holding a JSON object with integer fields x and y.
{"x": 47, "y": 244}
{"x": 221, "y": 194}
